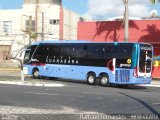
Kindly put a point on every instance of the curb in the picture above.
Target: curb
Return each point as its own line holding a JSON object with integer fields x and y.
{"x": 49, "y": 84}
{"x": 151, "y": 85}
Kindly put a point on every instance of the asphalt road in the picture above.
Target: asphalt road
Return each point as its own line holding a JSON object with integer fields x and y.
{"x": 75, "y": 101}
{"x": 78, "y": 99}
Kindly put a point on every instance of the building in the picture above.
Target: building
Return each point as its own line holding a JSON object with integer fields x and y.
{"x": 37, "y": 20}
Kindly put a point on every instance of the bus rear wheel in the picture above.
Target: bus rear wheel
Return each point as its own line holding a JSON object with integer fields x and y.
{"x": 91, "y": 79}
{"x": 104, "y": 80}
{"x": 36, "y": 74}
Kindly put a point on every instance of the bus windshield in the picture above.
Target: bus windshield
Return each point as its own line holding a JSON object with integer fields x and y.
{"x": 28, "y": 54}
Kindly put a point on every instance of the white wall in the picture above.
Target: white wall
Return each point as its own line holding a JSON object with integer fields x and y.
{"x": 50, "y": 12}
{"x": 71, "y": 20}
{"x": 18, "y": 38}
{"x": 15, "y": 37}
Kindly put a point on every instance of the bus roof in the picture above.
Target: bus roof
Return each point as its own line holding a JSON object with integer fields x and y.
{"x": 80, "y": 41}
{"x": 61, "y": 41}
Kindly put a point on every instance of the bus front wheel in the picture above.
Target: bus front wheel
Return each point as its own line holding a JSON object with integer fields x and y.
{"x": 36, "y": 74}
{"x": 104, "y": 80}
{"x": 91, "y": 79}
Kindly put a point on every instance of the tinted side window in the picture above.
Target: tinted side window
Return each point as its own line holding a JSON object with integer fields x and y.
{"x": 41, "y": 53}
{"x": 110, "y": 51}
{"x": 124, "y": 51}
{"x": 68, "y": 51}
{"x": 78, "y": 51}
{"x": 120, "y": 51}
{"x": 96, "y": 51}
{"x": 54, "y": 50}
{"x": 81, "y": 51}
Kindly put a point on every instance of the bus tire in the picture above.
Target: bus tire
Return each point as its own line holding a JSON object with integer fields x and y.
{"x": 104, "y": 80}
{"x": 91, "y": 79}
{"x": 36, "y": 73}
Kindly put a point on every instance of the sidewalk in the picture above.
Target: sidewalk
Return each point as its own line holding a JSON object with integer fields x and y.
{"x": 10, "y": 73}
{"x": 15, "y": 79}
{"x": 9, "y": 65}
{"x": 154, "y": 83}
{"x": 9, "y": 69}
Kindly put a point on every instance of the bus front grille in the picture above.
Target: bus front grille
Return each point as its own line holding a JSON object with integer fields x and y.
{"x": 122, "y": 76}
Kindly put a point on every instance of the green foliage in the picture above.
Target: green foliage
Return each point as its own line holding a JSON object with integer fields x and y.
{"x": 153, "y": 1}
{"x": 34, "y": 35}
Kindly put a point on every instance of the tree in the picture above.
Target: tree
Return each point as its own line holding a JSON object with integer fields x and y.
{"x": 15, "y": 57}
{"x": 154, "y": 1}
{"x": 126, "y": 21}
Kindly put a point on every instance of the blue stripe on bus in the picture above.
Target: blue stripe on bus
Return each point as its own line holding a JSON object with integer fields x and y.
{"x": 122, "y": 76}
{"x": 68, "y": 71}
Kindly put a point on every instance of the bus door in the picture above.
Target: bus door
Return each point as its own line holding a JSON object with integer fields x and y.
{"x": 145, "y": 61}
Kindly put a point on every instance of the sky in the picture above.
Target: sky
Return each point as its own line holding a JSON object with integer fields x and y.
{"x": 98, "y": 9}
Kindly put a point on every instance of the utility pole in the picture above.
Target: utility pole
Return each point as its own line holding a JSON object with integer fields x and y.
{"x": 126, "y": 20}
{"x": 36, "y": 15}
{"x": 42, "y": 26}
{"x": 30, "y": 29}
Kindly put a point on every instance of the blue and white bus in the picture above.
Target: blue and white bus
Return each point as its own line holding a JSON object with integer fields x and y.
{"x": 102, "y": 63}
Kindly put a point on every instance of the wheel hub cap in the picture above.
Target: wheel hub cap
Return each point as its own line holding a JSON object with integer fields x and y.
{"x": 91, "y": 79}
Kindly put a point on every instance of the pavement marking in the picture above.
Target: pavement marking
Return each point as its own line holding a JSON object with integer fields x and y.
{"x": 36, "y": 93}
{"x": 156, "y": 85}
{"x": 96, "y": 93}
{"x": 9, "y": 110}
{"x": 156, "y": 103}
{"x": 99, "y": 98}
{"x": 4, "y": 86}
{"x": 32, "y": 84}
{"x": 54, "y": 85}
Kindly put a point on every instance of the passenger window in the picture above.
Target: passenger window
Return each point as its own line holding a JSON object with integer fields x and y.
{"x": 96, "y": 51}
